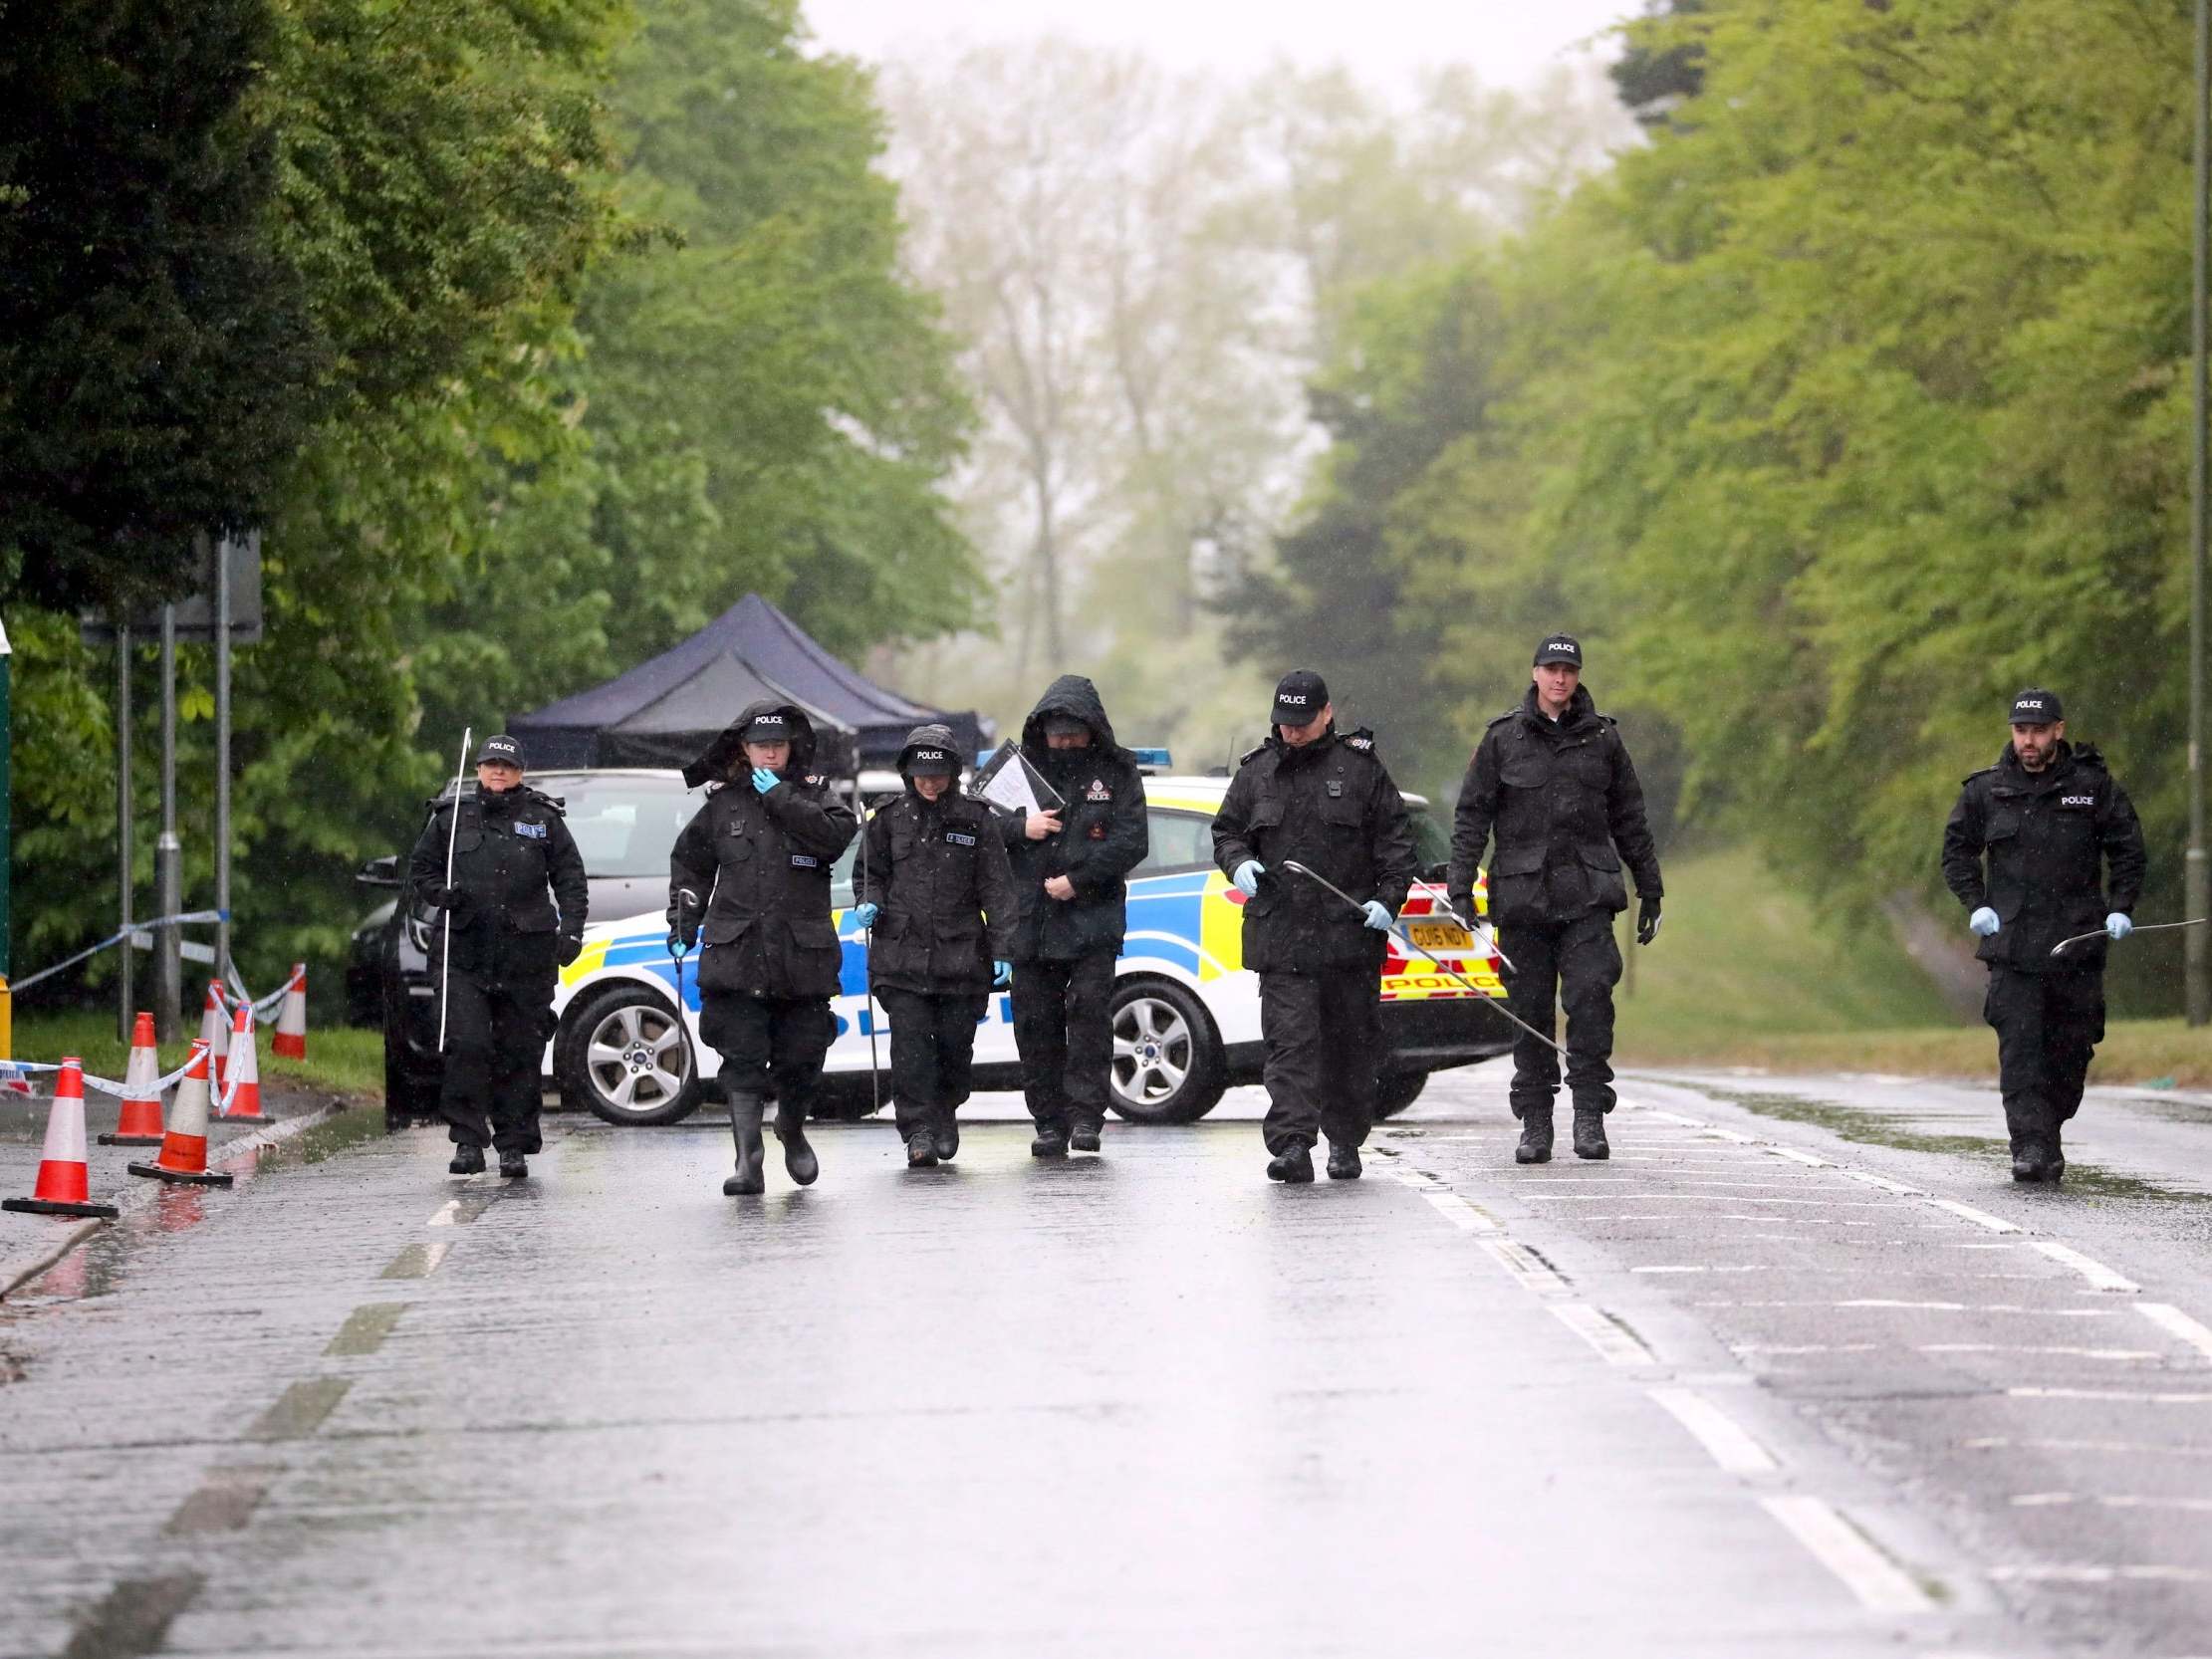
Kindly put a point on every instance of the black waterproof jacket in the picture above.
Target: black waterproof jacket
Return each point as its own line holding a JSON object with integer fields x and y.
{"x": 938, "y": 869}
{"x": 519, "y": 875}
{"x": 758, "y": 867}
{"x": 1104, "y": 834}
{"x": 2049, "y": 838}
{"x": 1331, "y": 806}
{"x": 1562, "y": 799}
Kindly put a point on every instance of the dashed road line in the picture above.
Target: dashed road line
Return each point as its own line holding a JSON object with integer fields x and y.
{"x": 2116, "y": 1500}
{"x": 224, "y": 1501}
{"x": 1880, "y": 1583}
{"x": 2177, "y": 1324}
{"x": 2123, "y": 1448}
{"x": 1980, "y": 1218}
{"x": 417, "y": 1260}
{"x": 300, "y": 1411}
{"x": 2126, "y": 1396}
{"x": 1615, "y": 1344}
{"x": 2059, "y": 1573}
{"x": 1721, "y": 1436}
{"x": 1524, "y": 1264}
{"x": 133, "y": 1618}
{"x": 365, "y": 1329}
{"x": 2096, "y": 1273}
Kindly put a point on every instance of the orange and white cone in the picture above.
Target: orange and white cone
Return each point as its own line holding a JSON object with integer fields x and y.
{"x": 215, "y": 1033}
{"x": 291, "y": 1038}
{"x": 242, "y": 1094}
{"x": 185, "y": 1148}
{"x": 140, "y": 1123}
{"x": 64, "y": 1184}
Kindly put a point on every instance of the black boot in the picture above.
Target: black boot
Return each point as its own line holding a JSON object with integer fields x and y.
{"x": 1589, "y": 1133}
{"x": 511, "y": 1166}
{"x": 800, "y": 1163}
{"x": 1535, "y": 1135}
{"x": 1050, "y": 1143}
{"x": 1343, "y": 1162}
{"x": 467, "y": 1160}
{"x": 947, "y": 1138}
{"x": 1294, "y": 1167}
{"x": 922, "y": 1150}
{"x": 1084, "y": 1137}
{"x": 745, "y": 1110}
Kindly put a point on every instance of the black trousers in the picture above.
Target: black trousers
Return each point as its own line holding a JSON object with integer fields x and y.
{"x": 769, "y": 1042}
{"x": 1324, "y": 1038}
{"x": 1574, "y": 965}
{"x": 932, "y": 1053}
{"x": 2048, "y": 1026}
{"x": 1064, "y": 1026}
{"x": 496, "y": 1028}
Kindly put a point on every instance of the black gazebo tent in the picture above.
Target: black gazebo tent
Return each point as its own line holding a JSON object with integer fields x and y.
{"x": 663, "y": 712}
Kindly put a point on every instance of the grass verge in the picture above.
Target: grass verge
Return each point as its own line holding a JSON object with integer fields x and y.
{"x": 340, "y": 1059}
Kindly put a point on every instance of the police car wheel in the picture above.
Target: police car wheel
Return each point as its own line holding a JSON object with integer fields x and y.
{"x": 622, "y": 1054}
{"x": 1167, "y": 1060}
{"x": 1395, "y": 1090}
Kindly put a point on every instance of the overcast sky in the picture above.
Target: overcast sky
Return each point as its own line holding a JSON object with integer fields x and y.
{"x": 1506, "y": 40}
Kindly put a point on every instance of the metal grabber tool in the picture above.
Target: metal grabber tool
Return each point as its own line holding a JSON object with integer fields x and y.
{"x": 2146, "y": 927}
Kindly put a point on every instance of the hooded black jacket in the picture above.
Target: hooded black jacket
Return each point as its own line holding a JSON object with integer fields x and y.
{"x": 520, "y": 874}
{"x": 938, "y": 871}
{"x": 1331, "y": 806}
{"x": 1104, "y": 834}
{"x": 758, "y": 867}
{"x": 1563, "y": 800}
{"x": 2045, "y": 835}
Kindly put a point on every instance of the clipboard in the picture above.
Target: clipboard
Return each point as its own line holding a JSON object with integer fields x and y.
{"x": 1009, "y": 782}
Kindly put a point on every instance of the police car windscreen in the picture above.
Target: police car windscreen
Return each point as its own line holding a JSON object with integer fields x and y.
{"x": 623, "y": 825}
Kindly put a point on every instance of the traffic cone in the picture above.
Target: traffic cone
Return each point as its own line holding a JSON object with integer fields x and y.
{"x": 63, "y": 1186}
{"x": 140, "y": 1123}
{"x": 242, "y": 1094}
{"x": 215, "y": 1033}
{"x": 184, "y": 1147}
{"x": 291, "y": 1038}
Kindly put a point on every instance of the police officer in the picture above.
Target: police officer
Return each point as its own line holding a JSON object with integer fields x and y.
{"x": 1309, "y": 797}
{"x": 516, "y": 906}
{"x": 752, "y": 872}
{"x": 936, "y": 890}
{"x": 1071, "y": 869}
{"x": 1553, "y": 780}
{"x": 2050, "y": 821}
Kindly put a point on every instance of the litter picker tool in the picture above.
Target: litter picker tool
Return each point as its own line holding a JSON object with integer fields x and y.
{"x": 452, "y": 829}
{"x": 868, "y": 979}
{"x": 1406, "y": 939}
{"x": 2147, "y": 928}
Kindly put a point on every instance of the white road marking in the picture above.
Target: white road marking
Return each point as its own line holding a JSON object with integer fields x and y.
{"x": 1671, "y": 1117}
{"x": 1867, "y": 1178}
{"x": 2096, "y": 1273}
{"x": 1938, "y": 1308}
{"x": 1734, "y": 1449}
{"x": 1797, "y": 1157}
{"x": 1525, "y": 1265}
{"x": 1794, "y": 1349}
{"x": 1880, "y": 1583}
{"x": 1614, "y": 1342}
{"x": 2177, "y": 1324}
{"x": 2147, "y": 1448}
{"x": 2123, "y": 1501}
{"x": 2135, "y": 1396}
{"x": 1461, "y": 1214}
{"x": 2061, "y": 1574}
{"x": 2124, "y": 1354}
{"x": 1756, "y": 1267}
{"x": 1980, "y": 1218}
{"x": 447, "y": 1212}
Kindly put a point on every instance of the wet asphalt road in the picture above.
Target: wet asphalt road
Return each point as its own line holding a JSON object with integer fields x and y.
{"x": 1797, "y": 1373}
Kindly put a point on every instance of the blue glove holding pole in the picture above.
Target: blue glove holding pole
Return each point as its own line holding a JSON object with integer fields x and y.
{"x": 1247, "y": 877}
{"x": 864, "y": 915}
{"x": 2119, "y": 925}
{"x": 1984, "y": 921}
{"x": 1002, "y": 974}
{"x": 764, "y": 779}
{"x": 1378, "y": 915}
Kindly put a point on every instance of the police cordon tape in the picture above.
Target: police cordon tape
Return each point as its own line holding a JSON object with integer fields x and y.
{"x": 184, "y": 919}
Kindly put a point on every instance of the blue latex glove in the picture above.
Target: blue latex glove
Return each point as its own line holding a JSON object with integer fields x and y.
{"x": 1247, "y": 877}
{"x": 865, "y": 915}
{"x": 1984, "y": 922}
{"x": 764, "y": 779}
{"x": 2119, "y": 925}
{"x": 1378, "y": 915}
{"x": 1002, "y": 974}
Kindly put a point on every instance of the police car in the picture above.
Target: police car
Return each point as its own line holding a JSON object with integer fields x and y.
{"x": 1186, "y": 1011}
